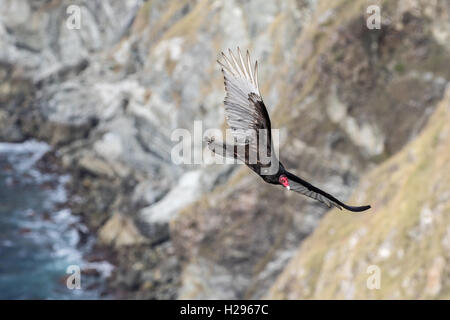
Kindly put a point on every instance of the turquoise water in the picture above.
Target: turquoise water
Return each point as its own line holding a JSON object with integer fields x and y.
{"x": 39, "y": 237}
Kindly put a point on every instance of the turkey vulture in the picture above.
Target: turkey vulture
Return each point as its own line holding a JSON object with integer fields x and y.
{"x": 246, "y": 114}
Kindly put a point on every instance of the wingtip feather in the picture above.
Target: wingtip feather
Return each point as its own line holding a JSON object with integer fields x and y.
{"x": 357, "y": 209}
{"x": 249, "y": 66}
{"x": 256, "y": 75}
{"x": 246, "y": 74}
{"x": 238, "y": 70}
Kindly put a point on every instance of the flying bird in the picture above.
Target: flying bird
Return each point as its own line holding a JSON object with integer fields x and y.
{"x": 249, "y": 121}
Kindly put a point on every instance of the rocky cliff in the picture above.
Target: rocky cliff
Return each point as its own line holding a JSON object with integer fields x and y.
{"x": 109, "y": 95}
{"x": 354, "y": 97}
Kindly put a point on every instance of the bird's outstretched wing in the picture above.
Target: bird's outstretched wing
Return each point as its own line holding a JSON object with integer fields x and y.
{"x": 226, "y": 151}
{"x": 245, "y": 111}
{"x": 301, "y": 186}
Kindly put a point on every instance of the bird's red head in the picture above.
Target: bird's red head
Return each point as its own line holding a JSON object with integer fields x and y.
{"x": 283, "y": 180}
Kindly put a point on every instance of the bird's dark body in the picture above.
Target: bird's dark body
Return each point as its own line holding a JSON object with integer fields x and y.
{"x": 272, "y": 179}
{"x": 246, "y": 114}
{"x": 259, "y": 167}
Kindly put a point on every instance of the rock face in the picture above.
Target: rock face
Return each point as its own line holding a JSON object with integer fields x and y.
{"x": 347, "y": 107}
{"x": 109, "y": 95}
{"x": 406, "y": 237}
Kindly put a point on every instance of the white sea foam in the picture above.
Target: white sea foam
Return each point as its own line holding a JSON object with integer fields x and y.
{"x": 104, "y": 267}
{"x": 41, "y": 233}
{"x": 36, "y": 149}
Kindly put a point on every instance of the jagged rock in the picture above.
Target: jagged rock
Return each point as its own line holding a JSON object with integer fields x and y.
{"x": 120, "y": 231}
{"x": 403, "y": 236}
{"x": 96, "y": 166}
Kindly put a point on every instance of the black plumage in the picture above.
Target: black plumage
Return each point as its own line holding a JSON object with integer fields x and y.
{"x": 249, "y": 121}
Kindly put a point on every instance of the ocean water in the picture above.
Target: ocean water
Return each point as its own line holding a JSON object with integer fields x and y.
{"x": 39, "y": 237}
